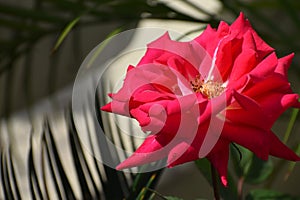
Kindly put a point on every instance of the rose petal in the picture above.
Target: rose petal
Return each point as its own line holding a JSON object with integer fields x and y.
{"x": 278, "y": 149}
{"x": 269, "y": 85}
{"x": 275, "y": 104}
{"x": 219, "y": 158}
{"x": 254, "y": 139}
{"x": 283, "y": 65}
{"x": 249, "y": 113}
{"x": 242, "y": 25}
{"x": 243, "y": 64}
{"x": 117, "y": 107}
{"x": 181, "y": 56}
{"x": 214, "y": 106}
{"x": 266, "y": 67}
{"x": 151, "y": 150}
{"x": 182, "y": 153}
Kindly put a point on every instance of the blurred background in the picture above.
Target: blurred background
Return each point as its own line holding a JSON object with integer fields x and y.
{"x": 42, "y": 46}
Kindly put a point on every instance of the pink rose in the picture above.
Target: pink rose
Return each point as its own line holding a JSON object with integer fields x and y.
{"x": 195, "y": 98}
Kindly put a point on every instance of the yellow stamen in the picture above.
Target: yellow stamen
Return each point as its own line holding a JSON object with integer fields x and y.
{"x": 210, "y": 88}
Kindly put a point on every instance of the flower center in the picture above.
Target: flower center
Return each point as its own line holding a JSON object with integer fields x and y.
{"x": 209, "y": 88}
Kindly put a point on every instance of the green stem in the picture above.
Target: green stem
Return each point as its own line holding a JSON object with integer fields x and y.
{"x": 290, "y": 125}
{"x": 215, "y": 185}
{"x": 156, "y": 193}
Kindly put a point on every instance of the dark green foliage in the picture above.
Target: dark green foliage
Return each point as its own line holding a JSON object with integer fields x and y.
{"x": 261, "y": 194}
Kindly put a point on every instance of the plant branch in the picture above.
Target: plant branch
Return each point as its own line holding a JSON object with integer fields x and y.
{"x": 214, "y": 178}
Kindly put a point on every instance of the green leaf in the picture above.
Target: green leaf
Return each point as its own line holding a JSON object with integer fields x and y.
{"x": 241, "y": 162}
{"x": 251, "y": 167}
{"x": 160, "y": 195}
{"x": 65, "y": 32}
{"x": 204, "y": 167}
{"x": 147, "y": 187}
{"x": 259, "y": 170}
{"x": 260, "y": 194}
{"x": 173, "y": 198}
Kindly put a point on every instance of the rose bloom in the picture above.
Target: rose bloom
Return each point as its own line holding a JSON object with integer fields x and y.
{"x": 195, "y": 98}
